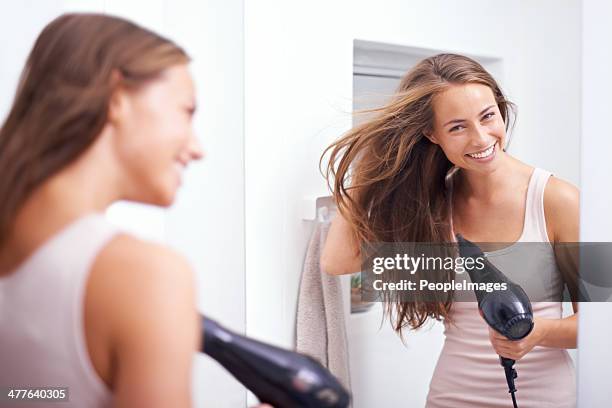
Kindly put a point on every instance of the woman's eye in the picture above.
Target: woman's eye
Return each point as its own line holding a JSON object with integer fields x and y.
{"x": 488, "y": 115}
{"x": 456, "y": 128}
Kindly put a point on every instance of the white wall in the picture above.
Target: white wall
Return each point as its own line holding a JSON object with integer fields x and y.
{"x": 207, "y": 221}
{"x": 298, "y": 89}
{"x": 280, "y": 73}
{"x": 19, "y": 25}
{"x": 595, "y": 319}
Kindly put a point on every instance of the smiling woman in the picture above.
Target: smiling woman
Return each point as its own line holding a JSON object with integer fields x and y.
{"x": 161, "y": 140}
{"x": 464, "y": 102}
{"x": 103, "y": 112}
{"x": 433, "y": 163}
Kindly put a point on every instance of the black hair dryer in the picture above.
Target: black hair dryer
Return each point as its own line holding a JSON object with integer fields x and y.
{"x": 507, "y": 311}
{"x": 279, "y": 377}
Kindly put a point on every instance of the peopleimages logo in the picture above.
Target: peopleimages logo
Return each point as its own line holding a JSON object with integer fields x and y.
{"x": 428, "y": 271}
{"x": 411, "y": 264}
{"x": 423, "y": 271}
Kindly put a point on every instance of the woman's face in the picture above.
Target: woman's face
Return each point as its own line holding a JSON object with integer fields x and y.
{"x": 468, "y": 127}
{"x": 154, "y": 136}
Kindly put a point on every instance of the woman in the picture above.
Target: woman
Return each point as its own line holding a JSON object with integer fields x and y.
{"x": 102, "y": 113}
{"x": 432, "y": 164}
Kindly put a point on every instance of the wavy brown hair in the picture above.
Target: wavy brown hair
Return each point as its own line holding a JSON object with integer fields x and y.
{"x": 388, "y": 179}
{"x": 62, "y": 99}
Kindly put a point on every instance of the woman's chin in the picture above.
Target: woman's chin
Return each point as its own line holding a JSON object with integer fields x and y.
{"x": 167, "y": 199}
{"x": 161, "y": 198}
{"x": 166, "y": 203}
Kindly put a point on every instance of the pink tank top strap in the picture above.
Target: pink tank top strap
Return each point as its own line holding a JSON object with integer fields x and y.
{"x": 535, "y": 220}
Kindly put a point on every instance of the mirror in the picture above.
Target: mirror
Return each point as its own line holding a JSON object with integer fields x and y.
{"x": 381, "y": 365}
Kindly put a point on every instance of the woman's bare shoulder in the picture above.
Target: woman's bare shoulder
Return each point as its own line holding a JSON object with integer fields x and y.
{"x": 133, "y": 267}
{"x": 129, "y": 263}
{"x": 562, "y": 210}
{"x": 127, "y": 250}
{"x": 142, "y": 295}
{"x": 561, "y": 195}
{"x": 141, "y": 298}
{"x": 133, "y": 282}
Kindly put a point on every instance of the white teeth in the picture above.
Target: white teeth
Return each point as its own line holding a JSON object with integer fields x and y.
{"x": 484, "y": 154}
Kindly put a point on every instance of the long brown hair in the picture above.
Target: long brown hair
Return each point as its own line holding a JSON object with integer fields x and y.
{"x": 63, "y": 96}
{"x": 388, "y": 179}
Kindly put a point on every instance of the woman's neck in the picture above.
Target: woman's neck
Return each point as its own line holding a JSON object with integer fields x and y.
{"x": 485, "y": 187}
{"x": 89, "y": 185}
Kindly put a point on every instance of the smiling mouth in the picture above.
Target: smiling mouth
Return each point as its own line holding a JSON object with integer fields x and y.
{"x": 483, "y": 153}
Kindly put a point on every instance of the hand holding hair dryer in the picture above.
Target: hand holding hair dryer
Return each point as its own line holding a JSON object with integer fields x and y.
{"x": 507, "y": 311}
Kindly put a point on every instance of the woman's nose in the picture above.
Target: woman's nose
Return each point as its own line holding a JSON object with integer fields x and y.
{"x": 195, "y": 149}
{"x": 480, "y": 136}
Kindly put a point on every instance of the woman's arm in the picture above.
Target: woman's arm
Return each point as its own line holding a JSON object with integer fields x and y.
{"x": 153, "y": 324}
{"x": 562, "y": 212}
{"x": 341, "y": 252}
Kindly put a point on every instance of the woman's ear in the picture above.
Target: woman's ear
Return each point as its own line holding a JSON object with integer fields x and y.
{"x": 430, "y": 135}
{"x": 118, "y": 100}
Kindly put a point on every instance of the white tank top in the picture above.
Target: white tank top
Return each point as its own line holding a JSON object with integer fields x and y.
{"x": 468, "y": 373}
{"x": 540, "y": 277}
{"x": 42, "y": 337}
{"x": 534, "y": 224}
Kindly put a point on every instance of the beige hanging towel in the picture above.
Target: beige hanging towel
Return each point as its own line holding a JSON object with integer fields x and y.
{"x": 320, "y": 327}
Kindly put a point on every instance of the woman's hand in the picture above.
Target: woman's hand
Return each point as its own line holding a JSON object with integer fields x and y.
{"x": 516, "y": 349}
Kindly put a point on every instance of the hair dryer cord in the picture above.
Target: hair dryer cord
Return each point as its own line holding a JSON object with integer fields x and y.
{"x": 511, "y": 374}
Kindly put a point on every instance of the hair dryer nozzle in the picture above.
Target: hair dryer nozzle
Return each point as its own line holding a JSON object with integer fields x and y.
{"x": 507, "y": 311}
{"x": 280, "y": 377}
